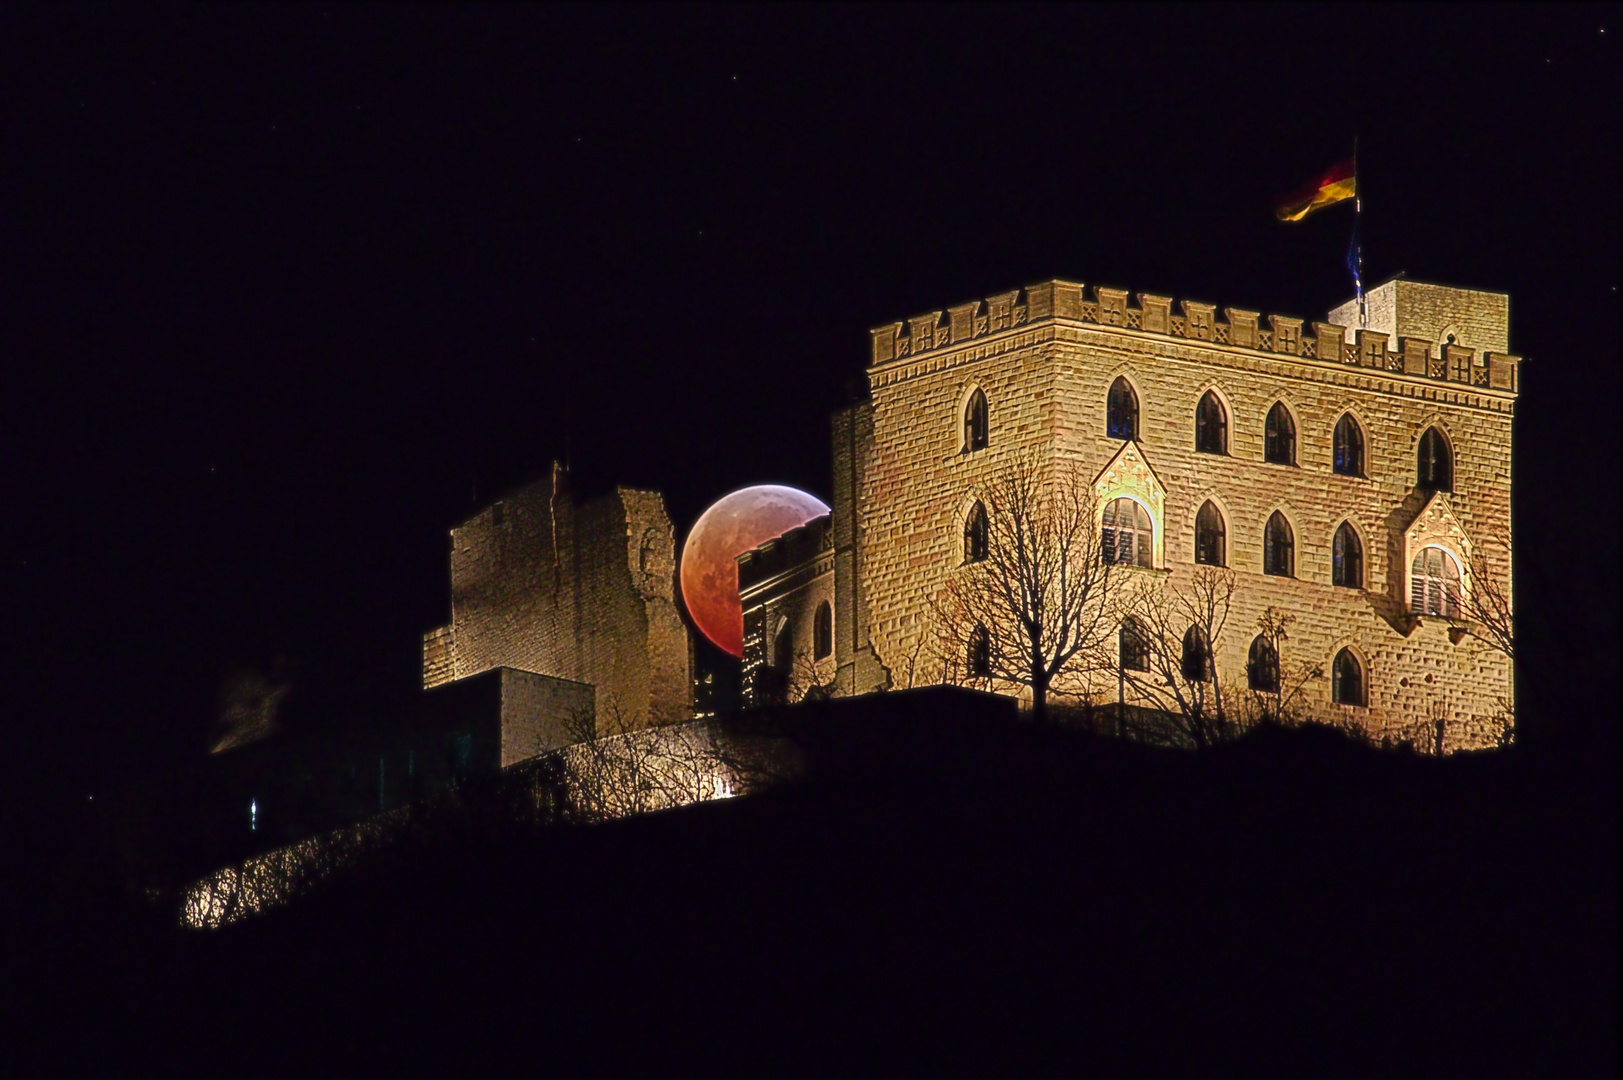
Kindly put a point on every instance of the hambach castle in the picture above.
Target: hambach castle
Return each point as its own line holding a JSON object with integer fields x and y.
{"x": 1354, "y": 476}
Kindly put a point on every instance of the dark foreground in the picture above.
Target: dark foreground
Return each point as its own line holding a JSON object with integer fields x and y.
{"x": 1003, "y": 902}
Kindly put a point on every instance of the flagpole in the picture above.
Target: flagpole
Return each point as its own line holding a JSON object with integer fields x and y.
{"x": 1358, "y": 247}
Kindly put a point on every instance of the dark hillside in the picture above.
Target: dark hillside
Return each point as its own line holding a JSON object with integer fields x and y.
{"x": 949, "y": 896}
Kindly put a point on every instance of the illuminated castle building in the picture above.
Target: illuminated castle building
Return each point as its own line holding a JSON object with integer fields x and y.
{"x": 1359, "y": 481}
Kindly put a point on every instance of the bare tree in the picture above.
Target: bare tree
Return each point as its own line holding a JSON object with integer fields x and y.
{"x": 1030, "y": 609}
{"x": 1484, "y": 611}
{"x": 1276, "y": 686}
{"x": 1176, "y": 632}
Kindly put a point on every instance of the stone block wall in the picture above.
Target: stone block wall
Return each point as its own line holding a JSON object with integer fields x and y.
{"x": 538, "y": 713}
{"x": 1046, "y": 375}
{"x": 586, "y": 594}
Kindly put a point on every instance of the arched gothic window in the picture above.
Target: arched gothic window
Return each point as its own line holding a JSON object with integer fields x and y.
{"x": 823, "y": 631}
{"x": 979, "y": 661}
{"x": 1197, "y": 656}
{"x": 1278, "y": 547}
{"x": 1121, "y": 410}
{"x": 1211, "y": 425}
{"x": 1128, "y": 536}
{"x": 975, "y": 430}
{"x": 1134, "y": 646}
{"x": 1435, "y": 468}
{"x": 1347, "y": 679}
{"x": 1349, "y": 446}
{"x": 1262, "y": 666}
{"x": 1434, "y": 584}
{"x": 1279, "y": 436}
{"x": 1347, "y": 558}
{"x": 1211, "y": 541}
{"x": 977, "y": 537}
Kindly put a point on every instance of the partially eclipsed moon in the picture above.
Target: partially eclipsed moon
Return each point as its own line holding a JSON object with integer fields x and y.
{"x": 734, "y": 524}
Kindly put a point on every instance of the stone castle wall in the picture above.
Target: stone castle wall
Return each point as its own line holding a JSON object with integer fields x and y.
{"x": 1046, "y": 378}
{"x": 578, "y": 593}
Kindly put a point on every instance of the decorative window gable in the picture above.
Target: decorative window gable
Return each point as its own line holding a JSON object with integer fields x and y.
{"x": 1129, "y": 476}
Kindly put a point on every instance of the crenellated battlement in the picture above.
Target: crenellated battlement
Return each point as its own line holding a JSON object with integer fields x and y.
{"x": 1329, "y": 343}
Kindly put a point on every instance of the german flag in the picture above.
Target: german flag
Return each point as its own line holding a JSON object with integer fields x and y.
{"x": 1339, "y": 183}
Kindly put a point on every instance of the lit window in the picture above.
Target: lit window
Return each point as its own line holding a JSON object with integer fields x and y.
{"x": 1347, "y": 558}
{"x": 979, "y": 660}
{"x": 1262, "y": 666}
{"x": 1279, "y": 436}
{"x": 823, "y": 630}
{"x": 1134, "y": 646}
{"x": 1197, "y": 656}
{"x": 1347, "y": 679}
{"x": 1121, "y": 411}
{"x": 1211, "y": 543}
{"x": 1128, "y": 536}
{"x": 975, "y": 422}
{"x": 1211, "y": 426}
{"x": 1349, "y": 446}
{"x": 1435, "y": 468}
{"x": 1434, "y": 584}
{"x": 977, "y": 537}
{"x": 1278, "y": 547}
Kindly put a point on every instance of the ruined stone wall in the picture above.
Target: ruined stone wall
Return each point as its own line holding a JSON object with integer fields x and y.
{"x": 633, "y": 644}
{"x": 513, "y": 599}
{"x": 584, "y": 594}
{"x": 1046, "y": 381}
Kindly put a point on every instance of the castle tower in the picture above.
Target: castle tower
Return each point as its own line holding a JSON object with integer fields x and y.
{"x": 1359, "y": 481}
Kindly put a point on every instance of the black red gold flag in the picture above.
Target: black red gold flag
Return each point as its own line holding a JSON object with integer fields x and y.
{"x": 1339, "y": 184}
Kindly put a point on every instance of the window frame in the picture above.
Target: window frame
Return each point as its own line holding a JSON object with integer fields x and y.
{"x": 1221, "y": 535}
{"x": 1450, "y": 586}
{"x": 976, "y": 429}
{"x": 1262, "y": 666}
{"x": 1204, "y": 425}
{"x": 1338, "y": 679}
{"x": 1279, "y": 435}
{"x": 1272, "y": 547}
{"x": 977, "y": 534}
{"x": 1339, "y": 557}
{"x": 1141, "y": 531}
{"x": 1196, "y": 645}
{"x": 1426, "y": 464}
{"x": 823, "y": 631}
{"x": 1347, "y": 446}
{"x": 1114, "y": 404}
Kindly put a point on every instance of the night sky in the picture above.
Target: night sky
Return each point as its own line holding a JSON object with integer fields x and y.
{"x": 289, "y": 292}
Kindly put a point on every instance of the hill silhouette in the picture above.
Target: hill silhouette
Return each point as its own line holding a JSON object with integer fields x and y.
{"x": 941, "y": 893}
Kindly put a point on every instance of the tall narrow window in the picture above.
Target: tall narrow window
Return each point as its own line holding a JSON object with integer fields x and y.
{"x": 1262, "y": 666}
{"x": 1435, "y": 469}
{"x": 975, "y": 422}
{"x": 1127, "y": 537}
{"x": 1211, "y": 425}
{"x": 1347, "y": 558}
{"x": 1278, "y": 547}
{"x": 1434, "y": 584}
{"x": 1121, "y": 411}
{"x": 1279, "y": 436}
{"x": 1211, "y": 542}
{"x": 823, "y": 631}
{"x": 1135, "y": 646}
{"x": 1349, "y": 446}
{"x": 977, "y": 536}
{"x": 1347, "y": 679}
{"x": 1197, "y": 656}
{"x": 979, "y": 661}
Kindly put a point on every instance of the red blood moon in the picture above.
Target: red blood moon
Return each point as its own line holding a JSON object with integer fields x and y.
{"x": 734, "y": 524}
